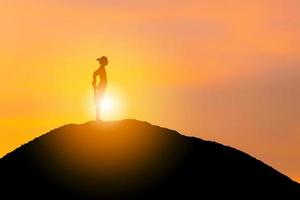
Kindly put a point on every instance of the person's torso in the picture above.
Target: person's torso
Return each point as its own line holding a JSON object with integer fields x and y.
{"x": 102, "y": 75}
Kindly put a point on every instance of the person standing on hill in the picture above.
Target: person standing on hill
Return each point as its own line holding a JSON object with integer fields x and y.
{"x": 99, "y": 88}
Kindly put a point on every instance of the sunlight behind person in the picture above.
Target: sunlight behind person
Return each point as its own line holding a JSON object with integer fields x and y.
{"x": 110, "y": 106}
{"x": 107, "y": 104}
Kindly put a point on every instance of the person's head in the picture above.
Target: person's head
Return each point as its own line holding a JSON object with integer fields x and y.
{"x": 103, "y": 60}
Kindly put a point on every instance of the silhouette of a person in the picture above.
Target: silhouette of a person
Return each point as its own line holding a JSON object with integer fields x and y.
{"x": 99, "y": 88}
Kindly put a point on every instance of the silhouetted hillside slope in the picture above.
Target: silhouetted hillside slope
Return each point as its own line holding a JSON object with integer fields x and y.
{"x": 130, "y": 159}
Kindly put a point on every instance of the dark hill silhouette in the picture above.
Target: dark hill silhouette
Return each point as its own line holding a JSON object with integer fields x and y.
{"x": 130, "y": 159}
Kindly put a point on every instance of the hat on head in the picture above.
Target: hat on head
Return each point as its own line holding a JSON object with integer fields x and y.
{"x": 102, "y": 59}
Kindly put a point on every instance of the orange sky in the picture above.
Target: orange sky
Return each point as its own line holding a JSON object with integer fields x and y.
{"x": 219, "y": 70}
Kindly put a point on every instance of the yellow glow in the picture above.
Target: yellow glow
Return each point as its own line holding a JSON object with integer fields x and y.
{"x": 110, "y": 106}
{"x": 107, "y": 105}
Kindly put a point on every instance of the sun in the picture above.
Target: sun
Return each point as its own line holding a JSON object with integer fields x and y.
{"x": 107, "y": 105}
{"x": 110, "y": 107}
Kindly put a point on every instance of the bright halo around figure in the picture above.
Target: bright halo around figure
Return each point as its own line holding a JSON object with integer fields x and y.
{"x": 107, "y": 105}
{"x": 110, "y": 107}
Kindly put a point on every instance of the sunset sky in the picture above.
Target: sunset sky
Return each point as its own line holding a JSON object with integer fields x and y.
{"x": 222, "y": 70}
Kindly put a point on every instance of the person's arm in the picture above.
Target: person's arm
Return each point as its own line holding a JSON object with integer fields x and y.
{"x": 94, "y": 79}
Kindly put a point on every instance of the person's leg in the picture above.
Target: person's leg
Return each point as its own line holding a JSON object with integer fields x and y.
{"x": 98, "y": 101}
{"x": 97, "y": 105}
{"x": 97, "y": 112}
